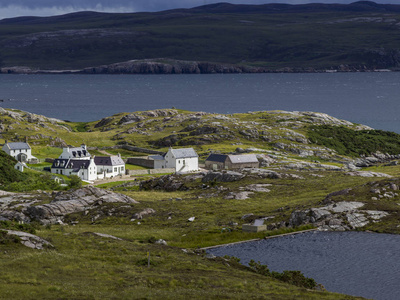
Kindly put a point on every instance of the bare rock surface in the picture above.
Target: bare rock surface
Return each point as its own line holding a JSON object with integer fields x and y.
{"x": 339, "y": 216}
{"x": 30, "y": 240}
{"x": 367, "y": 174}
{"x": 79, "y": 200}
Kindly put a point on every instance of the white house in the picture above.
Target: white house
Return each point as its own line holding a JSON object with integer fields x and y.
{"x": 183, "y": 160}
{"x": 21, "y": 151}
{"x": 83, "y": 168}
{"x": 75, "y": 153}
{"x": 109, "y": 166}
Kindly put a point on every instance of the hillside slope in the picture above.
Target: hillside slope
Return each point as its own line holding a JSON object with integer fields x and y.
{"x": 271, "y": 37}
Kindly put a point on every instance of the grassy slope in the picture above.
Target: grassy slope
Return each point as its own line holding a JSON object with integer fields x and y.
{"x": 88, "y": 267}
{"x": 319, "y": 39}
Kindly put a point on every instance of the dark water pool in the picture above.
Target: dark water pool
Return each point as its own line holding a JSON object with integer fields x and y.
{"x": 355, "y": 263}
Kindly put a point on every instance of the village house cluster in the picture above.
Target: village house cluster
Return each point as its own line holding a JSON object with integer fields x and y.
{"x": 78, "y": 161}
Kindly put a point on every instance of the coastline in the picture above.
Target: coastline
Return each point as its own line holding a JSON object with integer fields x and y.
{"x": 168, "y": 66}
{"x": 259, "y": 239}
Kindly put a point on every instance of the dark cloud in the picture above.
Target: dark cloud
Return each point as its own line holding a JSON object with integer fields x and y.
{"x": 14, "y": 8}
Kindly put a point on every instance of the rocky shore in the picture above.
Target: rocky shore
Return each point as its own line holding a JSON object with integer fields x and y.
{"x": 169, "y": 66}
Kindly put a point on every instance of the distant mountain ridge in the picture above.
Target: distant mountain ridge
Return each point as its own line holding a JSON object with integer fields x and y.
{"x": 360, "y": 36}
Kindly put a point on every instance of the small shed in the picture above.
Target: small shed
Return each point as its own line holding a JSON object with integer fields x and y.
{"x": 216, "y": 161}
{"x": 20, "y": 166}
{"x": 243, "y": 161}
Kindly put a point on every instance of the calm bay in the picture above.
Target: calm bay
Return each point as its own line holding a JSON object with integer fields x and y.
{"x": 356, "y": 263}
{"x": 367, "y": 98}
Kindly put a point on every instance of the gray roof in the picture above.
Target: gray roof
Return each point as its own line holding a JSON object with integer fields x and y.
{"x": 74, "y": 164}
{"x": 18, "y": 145}
{"x": 79, "y": 152}
{"x": 184, "y": 153}
{"x": 217, "y": 157}
{"x": 108, "y": 160}
{"x": 156, "y": 157}
{"x": 243, "y": 158}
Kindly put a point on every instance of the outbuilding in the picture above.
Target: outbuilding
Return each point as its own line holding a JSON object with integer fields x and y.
{"x": 231, "y": 162}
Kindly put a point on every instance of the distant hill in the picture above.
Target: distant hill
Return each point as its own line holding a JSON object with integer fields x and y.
{"x": 271, "y": 37}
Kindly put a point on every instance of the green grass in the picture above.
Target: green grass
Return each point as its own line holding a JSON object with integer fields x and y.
{"x": 84, "y": 266}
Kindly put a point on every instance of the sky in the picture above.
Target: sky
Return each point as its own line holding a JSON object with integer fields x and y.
{"x": 17, "y": 8}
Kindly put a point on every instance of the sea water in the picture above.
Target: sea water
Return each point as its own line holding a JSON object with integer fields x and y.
{"x": 367, "y": 98}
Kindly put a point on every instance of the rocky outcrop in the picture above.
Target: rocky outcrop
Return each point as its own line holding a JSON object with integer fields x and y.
{"x": 367, "y": 174}
{"x": 30, "y": 240}
{"x": 130, "y": 118}
{"x": 339, "y": 216}
{"x": 169, "y": 183}
{"x": 227, "y": 176}
{"x": 80, "y": 200}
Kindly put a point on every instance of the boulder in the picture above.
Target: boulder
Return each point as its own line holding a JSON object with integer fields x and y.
{"x": 145, "y": 212}
{"x": 239, "y": 196}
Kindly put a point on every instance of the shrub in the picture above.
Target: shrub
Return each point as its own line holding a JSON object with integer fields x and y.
{"x": 292, "y": 277}
{"x": 11, "y": 225}
{"x": 75, "y": 182}
{"x": 35, "y": 181}
{"x": 351, "y": 142}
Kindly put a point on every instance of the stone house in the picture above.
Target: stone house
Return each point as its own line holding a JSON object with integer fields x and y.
{"x": 231, "y": 162}
{"x": 21, "y": 151}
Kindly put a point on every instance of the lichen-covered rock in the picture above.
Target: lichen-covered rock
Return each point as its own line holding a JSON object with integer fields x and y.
{"x": 30, "y": 240}
{"x": 79, "y": 200}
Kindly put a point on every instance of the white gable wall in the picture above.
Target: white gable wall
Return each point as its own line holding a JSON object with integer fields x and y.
{"x": 188, "y": 164}
{"x": 181, "y": 165}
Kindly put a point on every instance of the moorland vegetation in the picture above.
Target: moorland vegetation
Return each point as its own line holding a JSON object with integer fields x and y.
{"x": 148, "y": 248}
{"x": 360, "y": 36}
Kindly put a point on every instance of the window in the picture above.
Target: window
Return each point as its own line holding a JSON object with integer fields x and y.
{"x": 115, "y": 169}
{"x": 122, "y": 168}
